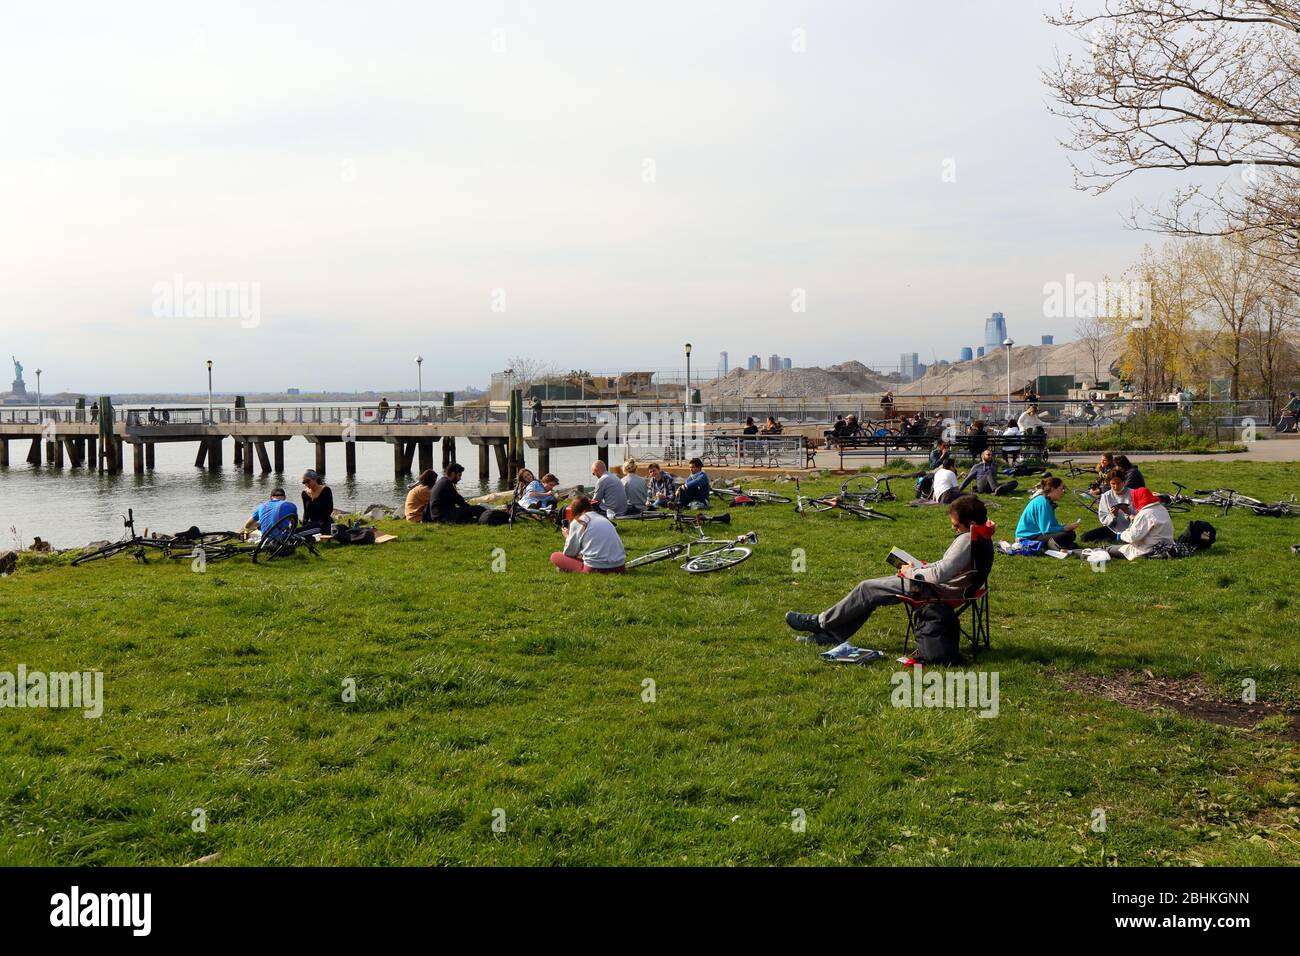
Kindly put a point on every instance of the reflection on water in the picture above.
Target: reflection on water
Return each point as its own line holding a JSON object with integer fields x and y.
{"x": 71, "y": 506}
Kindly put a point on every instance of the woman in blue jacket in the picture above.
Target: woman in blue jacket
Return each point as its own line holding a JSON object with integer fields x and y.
{"x": 1038, "y": 520}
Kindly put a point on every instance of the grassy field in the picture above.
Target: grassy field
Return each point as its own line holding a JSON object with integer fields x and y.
{"x": 516, "y": 697}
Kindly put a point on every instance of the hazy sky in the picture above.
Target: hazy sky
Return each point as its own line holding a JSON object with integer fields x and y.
{"x": 622, "y": 177}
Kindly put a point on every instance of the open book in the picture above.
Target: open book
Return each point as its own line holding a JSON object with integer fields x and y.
{"x": 898, "y": 557}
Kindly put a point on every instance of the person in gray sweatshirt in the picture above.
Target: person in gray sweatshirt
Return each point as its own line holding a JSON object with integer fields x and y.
{"x": 635, "y": 487}
{"x": 985, "y": 475}
{"x": 952, "y": 576}
{"x": 1114, "y": 510}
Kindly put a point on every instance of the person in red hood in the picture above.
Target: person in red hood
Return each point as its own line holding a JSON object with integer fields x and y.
{"x": 963, "y": 568}
{"x": 1150, "y": 528}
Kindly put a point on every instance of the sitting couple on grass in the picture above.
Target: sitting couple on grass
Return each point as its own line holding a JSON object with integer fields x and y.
{"x": 663, "y": 491}
{"x": 963, "y": 568}
{"x": 1134, "y": 521}
{"x": 436, "y": 499}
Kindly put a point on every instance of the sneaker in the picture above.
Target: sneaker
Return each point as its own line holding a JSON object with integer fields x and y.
{"x": 819, "y": 637}
{"x": 803, "y": 622}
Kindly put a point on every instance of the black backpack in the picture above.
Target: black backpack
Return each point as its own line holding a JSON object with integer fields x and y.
{"x": 938, "y": 635}
{"x": 353, "y": 534}
{"x": 1199, "y": 535}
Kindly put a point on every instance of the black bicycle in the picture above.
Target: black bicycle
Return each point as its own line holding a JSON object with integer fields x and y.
{"x": 165, "y": 545}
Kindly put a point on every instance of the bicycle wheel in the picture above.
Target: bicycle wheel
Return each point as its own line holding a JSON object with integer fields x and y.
{"x": 278, "y": 541}
{"x": 1177, "y": 509}
{"x": 660, "y": 554}
{"x": 863, "y": 488}
{"x": 726, "y": 494}
{"x": 117, "y": 547}
{"x": 717, "y": 560}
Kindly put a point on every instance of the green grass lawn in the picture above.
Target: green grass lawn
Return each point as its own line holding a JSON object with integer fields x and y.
{"x": 517, "y": 696}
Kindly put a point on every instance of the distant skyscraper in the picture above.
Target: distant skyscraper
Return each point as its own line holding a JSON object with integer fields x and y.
{"x": 979, "y": 352}
{"x": 755, "y": 363}
{"x": 967, "y": 353}
{"x": 774, "y": 363}
{"x": 1048, "y": 340}
{"x": 908, "y": 366}
{"x": 722, "y": 364}
{"x": 787, "y": 362}
{"x": 995, "y": 331}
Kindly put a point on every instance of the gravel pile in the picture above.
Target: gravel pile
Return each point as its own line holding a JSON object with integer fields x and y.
{"x": 813, "y": 382}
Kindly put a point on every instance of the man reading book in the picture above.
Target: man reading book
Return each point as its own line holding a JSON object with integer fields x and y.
{"x": 967, "y": 559}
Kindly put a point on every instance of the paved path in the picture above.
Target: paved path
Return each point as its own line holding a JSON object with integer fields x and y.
{"x": 1283, "y": 448}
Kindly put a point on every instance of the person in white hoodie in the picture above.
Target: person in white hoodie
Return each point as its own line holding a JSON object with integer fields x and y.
{"x": 592, "y": 543}
{"x": 1150, "y": 528}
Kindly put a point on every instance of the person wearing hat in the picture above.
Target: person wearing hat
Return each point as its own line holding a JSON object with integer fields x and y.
{"x": 270, "y": 512}
{"x": 1151, "y": 527}
{"x": 317, "y": 502}
{"x": 446, "y": 506}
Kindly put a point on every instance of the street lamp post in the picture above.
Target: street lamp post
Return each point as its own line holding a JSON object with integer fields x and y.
{"x": 38, "y": 397}
{"x": 419, "y": 376}
{"x": 1008, "y": 343}
{"x": 209, "y": 391}
{"x": 688, "y": 374}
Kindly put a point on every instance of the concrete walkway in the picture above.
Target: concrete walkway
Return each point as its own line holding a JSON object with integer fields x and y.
{"x": 1283, "y": 448}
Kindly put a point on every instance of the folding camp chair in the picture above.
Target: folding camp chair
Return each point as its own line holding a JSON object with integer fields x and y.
{"x": 976, "y": 602}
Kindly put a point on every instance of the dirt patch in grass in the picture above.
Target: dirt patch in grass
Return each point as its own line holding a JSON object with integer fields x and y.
{"x": 1189, "y": 696}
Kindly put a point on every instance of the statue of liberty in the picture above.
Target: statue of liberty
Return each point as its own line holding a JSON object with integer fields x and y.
{"x": 18, "y": 369}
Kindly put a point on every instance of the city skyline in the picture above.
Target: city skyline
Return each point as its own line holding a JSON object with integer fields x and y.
{"x": 321, "y": 204}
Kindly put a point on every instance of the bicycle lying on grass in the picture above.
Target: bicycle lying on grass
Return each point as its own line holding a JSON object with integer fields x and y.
{"x": 760, "y": 496}
{"x": 1227, "y": 499}
{"x": 679, "y": 518}
{"x": 835, "y": 503}
{"x": 866, "y": 488}
{"x": 164, "y": 545}
{"x": 705, "y": 554}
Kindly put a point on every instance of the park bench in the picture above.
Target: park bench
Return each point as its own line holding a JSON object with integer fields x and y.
{"x": 864, "y": 445}
{"x": 1031, "y": 446}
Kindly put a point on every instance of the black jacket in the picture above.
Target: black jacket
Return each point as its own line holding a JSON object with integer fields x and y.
{"x": 445, "y": 503}
{"x": 319, "y": 512}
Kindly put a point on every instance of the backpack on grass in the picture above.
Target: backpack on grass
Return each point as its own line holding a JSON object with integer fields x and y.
{"x": 1199, "y": 535}
{"x": 938, "y": 635}
{"x": 353, "y": 534}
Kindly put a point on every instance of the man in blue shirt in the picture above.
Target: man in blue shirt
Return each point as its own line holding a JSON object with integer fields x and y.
{"x": 694, "y": 491}
{"x": 269, "y": 512}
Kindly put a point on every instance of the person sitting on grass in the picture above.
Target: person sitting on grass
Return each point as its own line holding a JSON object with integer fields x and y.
{"x": 1105, "y": 465}
{"x": 944, "y": 488}
{"x": 635, "y": 487}
{"x": 694, "y": 491}
{"x": 985, "y": 475}
{"x": 1132, "y": 476}
{"x": 446, "y": 506}
{"x": 937, "y": 454}
{"x": 608, "y": 495}
{"x": 269, "y": 513}
{"x": 317, "y": 502}
{"x": 417, "y": 499}
{"x": 1114, "y": 510}
{"x": 663, "y": 488}
{"x": 536, "y": 493}
{"x": 1038, "y": 520}
{"x": 949, "y": 577}
{"x": 591, "y": 542}
{"x": 1150, "y": 530}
